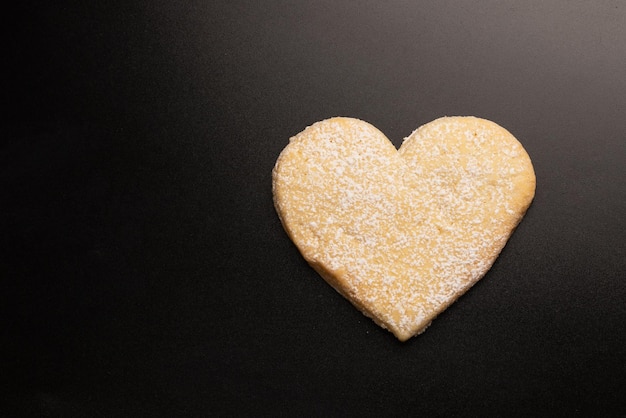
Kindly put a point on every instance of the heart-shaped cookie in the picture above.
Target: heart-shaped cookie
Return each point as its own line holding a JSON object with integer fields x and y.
{"x": 402, "y": 233}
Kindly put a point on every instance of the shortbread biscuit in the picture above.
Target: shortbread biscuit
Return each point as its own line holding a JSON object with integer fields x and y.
{"x": 402, "y": 233}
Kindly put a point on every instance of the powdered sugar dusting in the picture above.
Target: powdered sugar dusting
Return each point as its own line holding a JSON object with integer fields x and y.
{"x": 402, "y": 233}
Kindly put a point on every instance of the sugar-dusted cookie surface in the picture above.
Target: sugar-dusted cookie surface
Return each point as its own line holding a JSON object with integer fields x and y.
{"x": 402, "y": 233}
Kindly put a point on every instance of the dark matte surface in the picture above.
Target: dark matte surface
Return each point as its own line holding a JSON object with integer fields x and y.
{"x": 145, "y": 273}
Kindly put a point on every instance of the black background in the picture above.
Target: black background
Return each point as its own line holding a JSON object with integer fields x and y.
{"x": 145, "y": 272}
